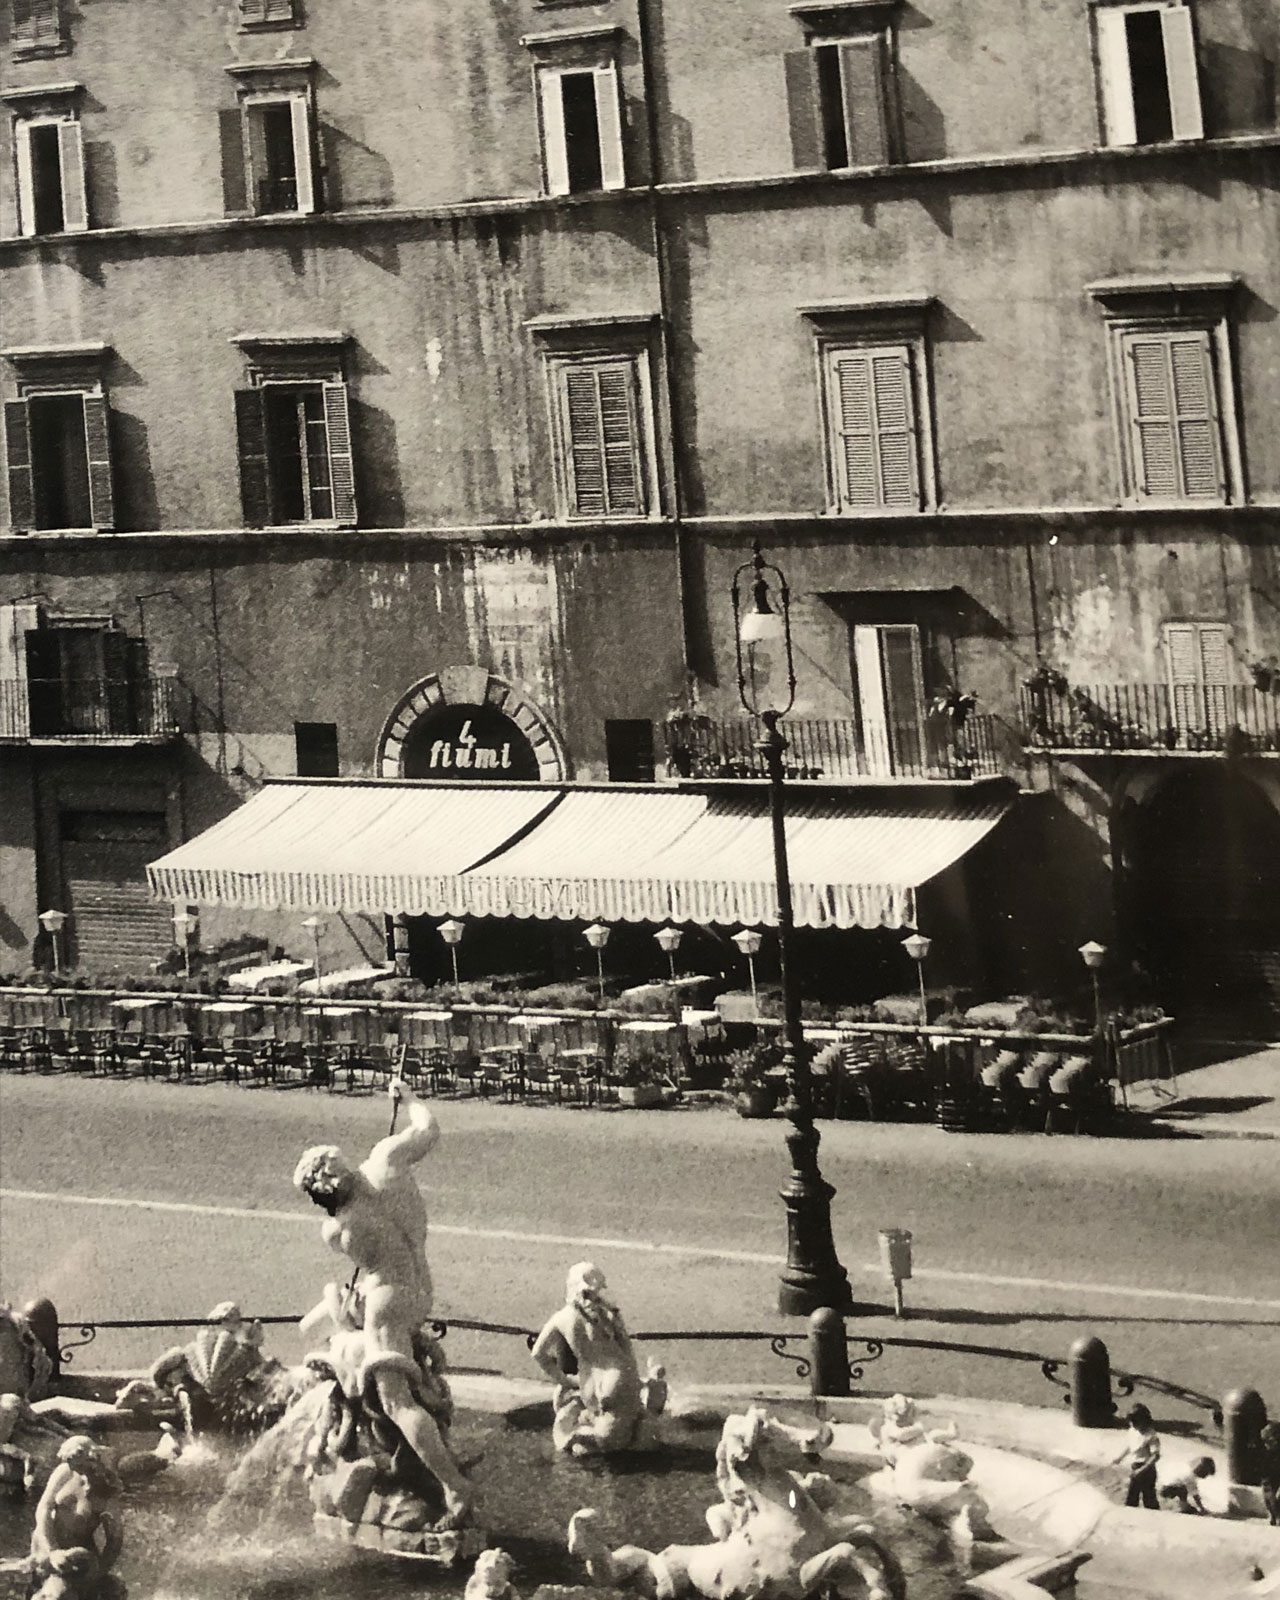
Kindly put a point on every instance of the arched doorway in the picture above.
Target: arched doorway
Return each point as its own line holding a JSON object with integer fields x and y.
{"x": 1203, "y": 897}
{"x": 466, "y": 724}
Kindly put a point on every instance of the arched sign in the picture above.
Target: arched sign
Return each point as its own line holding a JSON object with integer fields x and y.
{"x": 469, "y": 743}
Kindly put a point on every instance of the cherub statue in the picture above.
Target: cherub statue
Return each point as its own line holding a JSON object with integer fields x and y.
{"x": 925, "y": 1471}
{"x": 491, "y": 1579}
{"x": 75, "y": 1515}
{"x": 601, "y": 1402}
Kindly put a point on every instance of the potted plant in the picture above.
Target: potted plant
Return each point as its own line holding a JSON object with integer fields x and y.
{"x": 748, "y": 1081}
{"x": 955, "y": 704}
{"x": 640, "y": 1073}
{"x": 1266, "y": 674}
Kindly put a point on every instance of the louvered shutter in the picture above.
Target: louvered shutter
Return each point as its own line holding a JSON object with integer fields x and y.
{"x": 26, "y": 178}
{"x": 266, "y": 11}
{"x": 17, "y": 449}
{"x": 1184, "y": 673}
{"x": 804, "y": 109}
{"x": 863, "y": 85}
{"x": 1215, "y": 674}
{"x": 97, "y": 436}
{"x": 1115, "y": 77}
{"x": 624, "y": 478}
{"x": 555, "y": 158}
{"x": 37, "y": 22}
{"x": 853, "y": 418}
{"x": 896, "y": 428}
{"x": 341, "y": 468}
{"x": 586, "y": 447}
{"x": 1199, "y": 438}
{"x": 1180, "y": 69}
{"x": 1151, "y": 416}
{"x": 251, "y": 446}
{"x": 609, "y": 123}
{"x": 876, "y": 444}
{"x": 300, "y": 110}
{"x": 75, "y": 209}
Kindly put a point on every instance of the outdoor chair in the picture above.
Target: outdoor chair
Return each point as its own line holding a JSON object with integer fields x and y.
{"x": 1078, "y": 1098}
{"x": 11, "y": 1056}
{"x": 319, "y": 1067}
{"x": 36, "y": 1054}
{"x": 861, "y": 1080}
{"x": 290, "y": 1064}
{"x": 540, "y": 1083}
{"x": 906, "y": 1082}
{"x": 1034, "y": 1080}
{"x": 466, "y": 1074}
{"x": 57, "y": 1041}
{"x": 497, "y": 1079}
{"x": 1001, "y": 1097}
{"x": 129, "y": 1055}
{"x": 575, "y": 1085}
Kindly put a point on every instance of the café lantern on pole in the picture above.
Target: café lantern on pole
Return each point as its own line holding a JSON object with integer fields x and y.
{"x": 597, "y": 936}
{"x": 451, "y": 932}
{"x": 813, "y": 1276}
{"x": 183, "y": 927}
{"x": 749, "y": 941}
{"x": 53, "y": 923}
{"x": 1093, "y": 955}
{"x": 313, "y": 925}
{"x": 917, "y": 947}
{"x": 669, "y": 940}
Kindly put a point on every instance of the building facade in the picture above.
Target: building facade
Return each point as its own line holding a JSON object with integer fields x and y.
{"x": 396, "y": 393}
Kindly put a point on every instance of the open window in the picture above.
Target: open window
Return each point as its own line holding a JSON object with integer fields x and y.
{"x": 277, "y": 124}
{"x": 58, "y": 440}
{"x": 890, "y": 684}
{"x": 1148, "y": 82}
{"x": 841, "y": 88}
{"x": 293, "y": 432}
{"x": 579, "y": 106}
{"x": 48, "y": 145}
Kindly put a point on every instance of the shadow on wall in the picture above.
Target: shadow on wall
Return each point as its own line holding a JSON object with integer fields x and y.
{"x": 1239, "y": 89}
{"x": 379, "y": 490}
{"x": 137, "y": 504}
{"x": 355, "y": 174}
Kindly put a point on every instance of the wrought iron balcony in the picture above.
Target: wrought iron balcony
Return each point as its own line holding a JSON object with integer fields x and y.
{"x": 277, "y": 194}
{"x": 939, "y": 748}
{"x": 1151, "y": 717}
{"x": 89, "y": 710}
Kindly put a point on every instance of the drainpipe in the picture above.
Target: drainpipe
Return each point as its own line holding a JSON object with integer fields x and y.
{"x": 658, "y": 243}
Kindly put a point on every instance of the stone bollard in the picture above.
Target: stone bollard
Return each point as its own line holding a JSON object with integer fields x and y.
{"x": 1091, "y": 1405}
{"x": 1243, "y": 1418}
{"x": 43, "y": 1317}
{"x": 828, "y": 1353}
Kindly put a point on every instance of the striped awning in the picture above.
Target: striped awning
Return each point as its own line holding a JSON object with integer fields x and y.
{"x": 602, "y": 854}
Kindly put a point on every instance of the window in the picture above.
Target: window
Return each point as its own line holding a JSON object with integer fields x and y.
{"x": 277, "y": 124}
{"x": 58, "y": 456}
{"x": 316, "y": 747}
{"x": 1170, "y": 352}
{"x": 48, "y": 146}
{"x": 873, "y": 435}
{"x": 258, "y": 15}
{"x": 579, "y": 110}
{"x": 1199, "y": 675}
{"x": 629, "y": 750}
{"x": 36, "y": 28}
{"x": 841, "y": 102}
{"x": 890, "y": 684}
{"x": 85, "y": 677}
{"x": 295, "y": 454}
{"x": 1149, "y": 86}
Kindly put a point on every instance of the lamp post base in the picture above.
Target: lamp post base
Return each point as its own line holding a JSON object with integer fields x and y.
{"x": 813, "y": 1276}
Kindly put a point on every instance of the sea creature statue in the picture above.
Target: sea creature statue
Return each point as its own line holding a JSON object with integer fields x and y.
{"x": 924, "y": 1471}
{"x": 601, "y": 1403}
{"x": 78, "y": 1536}
{"x": 25, "y": 1367}
{"x": 491, "y": 1579}
{"x": 221, "y": 1381}
{"x": 777, "y": 1534}
{"x": 29, "y": 1444}
{"x": 382, "y": 1473}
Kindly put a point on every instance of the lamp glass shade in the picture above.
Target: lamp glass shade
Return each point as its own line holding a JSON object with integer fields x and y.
{"x": 183, "y": 922}
{"x": 761, "y": 625}
{"x": 312, "y": 924}
{"x": 669, "y": 938}
{"x": 917, "y": 946}
{"x": 53, "y": 921}
{"x": 597, "y": 935}
{"x": 1093, "y": 954}
{"x": 748, "y": 941}
{"x": 451, "y": 931}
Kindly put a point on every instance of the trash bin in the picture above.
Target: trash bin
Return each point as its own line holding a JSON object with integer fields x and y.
{"x": 895, "y": 1254}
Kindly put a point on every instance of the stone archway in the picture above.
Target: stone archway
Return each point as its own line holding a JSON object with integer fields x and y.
{"x": 468, "y": 723}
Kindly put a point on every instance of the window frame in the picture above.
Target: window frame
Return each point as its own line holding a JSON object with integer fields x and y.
{"x": 35, "y": 44}
{"x": 265, "y": 22}
{"x": 895, "y": 762}
{"x": 559, "y": 55}
{"x": 1117, "y": 122}
{"x": 52, "y": 372}
{"x": 260, "y": 84}
{"x": 49, "y": 105}
{"x": 883, "y": 41}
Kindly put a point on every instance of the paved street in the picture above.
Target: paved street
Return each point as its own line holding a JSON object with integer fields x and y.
{"x": 134, "y": 1200}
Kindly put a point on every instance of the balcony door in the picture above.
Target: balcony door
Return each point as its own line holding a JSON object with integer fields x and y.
{"x": 887, "y": 662}
{"x": 1199, "y": 677}
{"x": 78, "y": 681}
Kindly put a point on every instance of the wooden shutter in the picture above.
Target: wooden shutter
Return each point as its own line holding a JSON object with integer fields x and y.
{"x": 600, "y": 426}
{"x": 1215, "y": 674}
{"x": 1177, "y": 442}
{"x": 75, "y": 209}
{"x": 1199, "y": 673}
{"x": 1198, "y": 435}
{"x": 1120, "y": 125}
{"x": 97, "y": 438}
{"x": 1151, "y": 416}
{"x": 804, "y": 110}
{"x": 862, "y": 85}
{"x": 873, "y": 413}
{"x": 904, "y": 695}
{"x": 17, "y": 450}
{"x": 619, "y": 426}
{"x": 613, "y": 174}
{"x": 872, "y": 700}
{"x": 255, "y": 152}
{"x": 341, "y": 468}
{"x": 251, "y": 445}
{"x": 585, "y": 453}
{"x": 300, "y": 110}
{"x": 37, "y": 22}
{"x": 260, "y": 11}
{"x": 1180, "y": 68}
{"x": 555, "y": 156}
{"x": 26, "y": 178}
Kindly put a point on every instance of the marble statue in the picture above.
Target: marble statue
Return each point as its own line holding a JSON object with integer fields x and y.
{"x": 29, "y": 1445}
{"x": 381, "y": 1469}
{"x": 25, "y": 1367}
{"x": 924, "y": 1471}
{"x": 219, "y": 1381}
{"x": 78, "y": 1536}
{"x": 491, "y": 1579}
{"x": 601, "y": 1403}
{"x": 776, "y": 1533}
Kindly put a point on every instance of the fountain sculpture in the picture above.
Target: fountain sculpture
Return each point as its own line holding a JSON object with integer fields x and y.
{"x": 78, "y": 1536}
{"x": 776, "y": 1532}
{"x": 925, "y": 1472}
{"x": 601, "y": 1403}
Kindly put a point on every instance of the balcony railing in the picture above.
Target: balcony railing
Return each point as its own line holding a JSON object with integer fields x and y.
{"x": 1152, "y": 717}
{"x": 938, "y": 748}
{"x": 277, "y": 194}
{"x": 102, "y": 709}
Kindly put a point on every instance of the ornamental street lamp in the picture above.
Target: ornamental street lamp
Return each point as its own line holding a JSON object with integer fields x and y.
{"x": 669, "y": 940}
{"x": 53, "y": 923}
{"x": 183, "y": 927}
{"x": 749, "y": 941}
{"x": 813, "y": 1276}
{"x": 917, "y": 947}
{"x": 313, "y": 925}
{"x": 1093, "y": 955}
{"x": 597, "y": 936}
{"x": 451, "y": 932}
